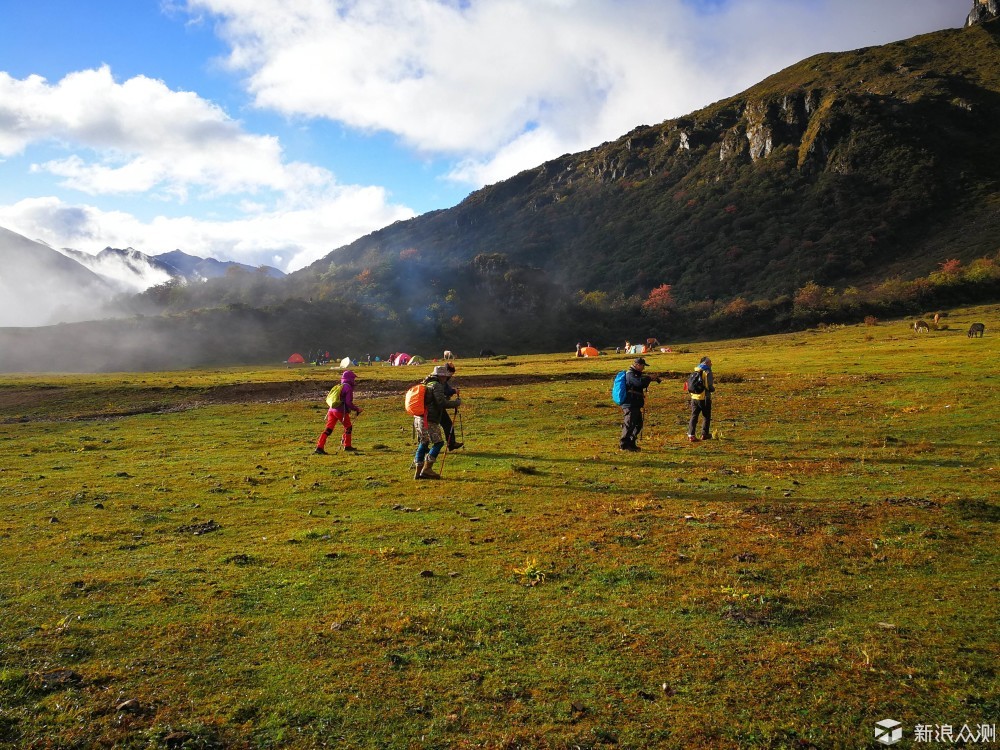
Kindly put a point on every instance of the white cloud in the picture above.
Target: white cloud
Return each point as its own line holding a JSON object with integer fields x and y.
{"x": 287, "y": 238}
{"x": 493, "y": 86}
{"x": 139, "y": 136}
{"x": 502, "y": 85}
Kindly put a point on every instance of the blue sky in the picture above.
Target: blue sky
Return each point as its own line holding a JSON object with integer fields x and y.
{"x": 274, "y": 131}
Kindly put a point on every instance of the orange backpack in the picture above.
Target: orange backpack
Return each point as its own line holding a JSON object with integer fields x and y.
{"x": 415, "y": 404}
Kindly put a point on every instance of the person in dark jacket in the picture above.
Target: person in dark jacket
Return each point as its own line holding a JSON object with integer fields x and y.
{"x": 430, "y": 436}
{"x": 635, "y": 387}
{"x": 447, "y": 424}
{"x": 701, "y": 403}
{"x": 341, "y": 413}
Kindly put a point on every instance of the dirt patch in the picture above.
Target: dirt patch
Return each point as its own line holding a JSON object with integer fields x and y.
{"x": 257, "y": 392}
{"x": 151, "y": 401}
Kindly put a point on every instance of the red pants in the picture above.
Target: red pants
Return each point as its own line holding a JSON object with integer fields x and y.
{"x": 332, "y": 417}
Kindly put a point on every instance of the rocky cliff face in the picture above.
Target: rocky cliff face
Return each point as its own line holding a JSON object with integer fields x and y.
{"x": 829, "y": 171}
{"x": 766, "y": 124}
{"x": 982, "y": 11}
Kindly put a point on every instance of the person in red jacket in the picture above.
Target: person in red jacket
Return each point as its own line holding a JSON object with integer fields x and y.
{"x": 340, "y": 413}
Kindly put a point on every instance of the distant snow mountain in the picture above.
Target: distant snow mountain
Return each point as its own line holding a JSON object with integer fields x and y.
{"x": 41, "y": 285}
{"x": 193, "y": 268}
{"x": 128, "y": 270}
{"x": 133, "y": 271}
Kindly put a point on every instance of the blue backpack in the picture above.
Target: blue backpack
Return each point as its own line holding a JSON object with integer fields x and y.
{"x": 619, "y": 394}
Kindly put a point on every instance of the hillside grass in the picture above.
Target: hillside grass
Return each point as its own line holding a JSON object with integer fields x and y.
{"x": 195, "y": 577}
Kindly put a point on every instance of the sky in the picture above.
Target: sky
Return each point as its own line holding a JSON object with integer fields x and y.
{"x": 272, "y": 132}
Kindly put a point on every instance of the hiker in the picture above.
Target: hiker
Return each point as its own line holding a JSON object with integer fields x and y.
{"x": 340, "y": 412}
{"x": 635, "y": 399}
{"x": 447, "y": 424}
{"x": 701, "y": 402}
{"x": 430, "y": 437}
{"x": 579, "y": 349}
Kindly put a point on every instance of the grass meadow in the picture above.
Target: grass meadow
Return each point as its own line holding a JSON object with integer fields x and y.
{"x": 179, "y": 570}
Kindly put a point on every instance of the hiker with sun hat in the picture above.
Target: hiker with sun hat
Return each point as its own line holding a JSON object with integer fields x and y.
{"x": 430, "y": 436}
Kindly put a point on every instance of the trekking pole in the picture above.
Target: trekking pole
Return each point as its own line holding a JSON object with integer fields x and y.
{"x": 444, "y": 457}
{"x": 654, "y": 380}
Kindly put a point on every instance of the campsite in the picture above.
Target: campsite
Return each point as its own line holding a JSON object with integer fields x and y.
{"x": 181, "y": 571}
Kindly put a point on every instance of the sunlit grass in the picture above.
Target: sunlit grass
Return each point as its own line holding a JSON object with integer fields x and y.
{"x": 827, "y": 562}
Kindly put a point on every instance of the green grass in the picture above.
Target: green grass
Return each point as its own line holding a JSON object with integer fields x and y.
{"x": 828, "y": 561}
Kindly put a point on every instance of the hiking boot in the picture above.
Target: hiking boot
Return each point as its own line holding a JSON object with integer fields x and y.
{"x": 349, "y": 448}
{"x": 692, "y": 439}
{"x": 320, "y": 451}
{"x": 706, "y": 437}
{"x": 427, "y": 472}
{"x": 629, "y": 447}
{"x": 417, "y": 470}
{"x": 455, "y": 446}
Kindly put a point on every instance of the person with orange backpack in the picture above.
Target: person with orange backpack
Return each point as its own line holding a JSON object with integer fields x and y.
{"x": 341, "y": 403}
{"x": 430, "y": 435}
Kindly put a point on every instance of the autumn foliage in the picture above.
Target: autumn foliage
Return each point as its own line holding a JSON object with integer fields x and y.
{"x": 660, "y": 301}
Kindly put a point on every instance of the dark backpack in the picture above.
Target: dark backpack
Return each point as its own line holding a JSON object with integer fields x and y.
{"x": 694, "y": 383}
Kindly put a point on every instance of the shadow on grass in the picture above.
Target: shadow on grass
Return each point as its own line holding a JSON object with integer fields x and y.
{"x": 641, "y": 460}
{"x": 801, "y": 450}
{"x": 977, "y": 510}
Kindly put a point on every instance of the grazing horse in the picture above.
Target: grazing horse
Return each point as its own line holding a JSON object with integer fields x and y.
{"x": 487, "y": 353}
{"x": 921, "y": 326}
{"x": 448, "y": 354}
{"x": 977, "y": 329}
{"x": 652, "y": 342}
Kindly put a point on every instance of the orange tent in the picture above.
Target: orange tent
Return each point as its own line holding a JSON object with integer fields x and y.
{"x": 589, "y": 351}
{"x": 296, "y": 359}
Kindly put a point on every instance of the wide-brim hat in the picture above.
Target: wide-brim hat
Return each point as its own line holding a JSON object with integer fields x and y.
{"x": 441, "y": 371}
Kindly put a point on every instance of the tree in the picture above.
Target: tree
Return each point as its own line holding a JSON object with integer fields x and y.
{"x": 736, "y": 308}
{"x": 660, "y": 301}
{"x": 596, "y": 300}
{"x": 948, "y": 273}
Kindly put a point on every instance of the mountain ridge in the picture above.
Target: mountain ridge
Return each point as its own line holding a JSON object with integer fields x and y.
{"x": 43, "y": 285}
{"x": 850, "y": 184}
{"x": 40, "y": 285}
{"x": 800, "y": 133}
